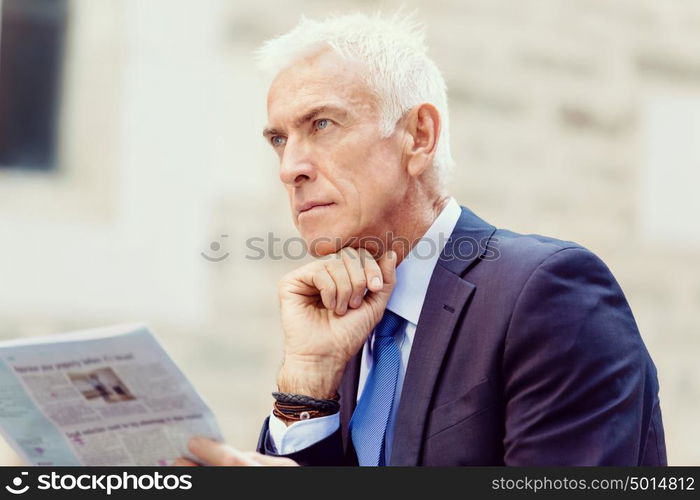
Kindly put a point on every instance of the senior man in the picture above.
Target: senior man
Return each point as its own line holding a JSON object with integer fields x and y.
{"x": 483, "y": 347}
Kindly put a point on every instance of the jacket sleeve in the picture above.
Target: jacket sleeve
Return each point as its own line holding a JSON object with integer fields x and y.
{"x": 579, "y": 384}
{"x": 328, "y": 451}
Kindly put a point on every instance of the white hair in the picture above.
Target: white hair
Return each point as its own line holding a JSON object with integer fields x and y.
{"x": 394, "y": 52}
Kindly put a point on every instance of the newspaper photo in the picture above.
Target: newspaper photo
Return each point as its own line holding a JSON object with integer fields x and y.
{"x": 110, "y": 396}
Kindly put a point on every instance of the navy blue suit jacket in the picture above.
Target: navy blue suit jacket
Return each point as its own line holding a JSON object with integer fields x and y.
{"x": 526, "y": 353}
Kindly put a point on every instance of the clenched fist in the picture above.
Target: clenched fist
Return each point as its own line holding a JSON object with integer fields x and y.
{"x": 329, "y": 307}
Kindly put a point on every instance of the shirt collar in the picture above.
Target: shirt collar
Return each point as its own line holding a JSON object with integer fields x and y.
{"x": 414, "y": 272}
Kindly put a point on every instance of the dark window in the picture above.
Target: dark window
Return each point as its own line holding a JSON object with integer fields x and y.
{"x": 32, "y": 34}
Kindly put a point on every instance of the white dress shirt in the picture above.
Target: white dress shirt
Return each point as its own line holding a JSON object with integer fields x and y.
{"x": 412, "y": 279}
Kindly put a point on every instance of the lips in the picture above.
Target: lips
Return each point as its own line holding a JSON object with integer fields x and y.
{"x": 311, "y": 205}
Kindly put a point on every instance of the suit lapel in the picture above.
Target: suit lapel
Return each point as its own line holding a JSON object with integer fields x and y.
{"x": 446, "y": 298}
{"x": 445, "y": 301}
{"x": 348, "y": 397}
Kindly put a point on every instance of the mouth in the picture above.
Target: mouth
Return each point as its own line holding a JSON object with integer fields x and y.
{"x": 315, "y": 207}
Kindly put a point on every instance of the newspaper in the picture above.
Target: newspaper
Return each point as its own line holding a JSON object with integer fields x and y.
{"x": 110, "y": 396}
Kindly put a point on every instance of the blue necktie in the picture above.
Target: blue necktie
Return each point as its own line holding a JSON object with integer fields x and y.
{"x": 369, "y": 421}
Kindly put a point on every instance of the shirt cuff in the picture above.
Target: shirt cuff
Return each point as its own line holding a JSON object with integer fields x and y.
{"x": 301, "y": 434}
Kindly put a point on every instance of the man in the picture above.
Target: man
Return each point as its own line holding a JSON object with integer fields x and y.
{"x": 489, "y": 348}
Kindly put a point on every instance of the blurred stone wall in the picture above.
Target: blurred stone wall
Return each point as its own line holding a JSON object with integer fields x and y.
{"x": 578, "y": 119}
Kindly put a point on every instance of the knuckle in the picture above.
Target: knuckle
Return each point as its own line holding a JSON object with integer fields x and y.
{"x": 331, "y": 267}
{"x": 323, "y": 274}
{"x": 371, "y": 262}
{"x": 350, "y": 255}
{"x": 360, "y": 282}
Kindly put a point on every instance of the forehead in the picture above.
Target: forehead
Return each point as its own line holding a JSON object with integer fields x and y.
{"x": 319, "y": 79}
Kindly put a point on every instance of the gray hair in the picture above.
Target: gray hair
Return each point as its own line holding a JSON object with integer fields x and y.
{"x": 394, "y": 52}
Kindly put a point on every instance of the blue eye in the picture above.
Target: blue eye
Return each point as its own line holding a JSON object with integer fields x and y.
{"x": 278, "y": 140}
{"x": 321, "y": 124}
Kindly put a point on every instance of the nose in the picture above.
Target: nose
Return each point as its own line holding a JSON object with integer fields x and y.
{"x": 296, "y": 165}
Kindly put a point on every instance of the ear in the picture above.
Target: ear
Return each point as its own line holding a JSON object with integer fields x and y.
{"x": 423, "y": 127}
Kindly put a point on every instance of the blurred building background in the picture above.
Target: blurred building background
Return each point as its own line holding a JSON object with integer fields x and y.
{"x": 577, "y": 119}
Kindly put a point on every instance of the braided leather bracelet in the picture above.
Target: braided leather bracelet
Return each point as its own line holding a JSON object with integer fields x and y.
{"x": 295, "y": 407}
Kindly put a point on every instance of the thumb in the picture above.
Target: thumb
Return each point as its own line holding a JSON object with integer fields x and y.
{"x": 387, "y": 264}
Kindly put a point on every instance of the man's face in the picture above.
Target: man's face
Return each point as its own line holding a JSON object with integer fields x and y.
{"x": 343, "y": 179}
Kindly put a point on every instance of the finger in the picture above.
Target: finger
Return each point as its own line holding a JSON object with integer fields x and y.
{"x": 326, "y": 287}
{"x": 387, "y": 264}
{"x": 343, "y": 286}
{"x": 183, "y": 462}
{"x": 215, "y": 453}
{"x": 373, "y": 272}
{"x": 268, "y": 460}
{"x": 358, "y": 280}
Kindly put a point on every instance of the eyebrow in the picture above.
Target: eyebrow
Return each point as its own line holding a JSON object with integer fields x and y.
{"x": 308, "y": 116}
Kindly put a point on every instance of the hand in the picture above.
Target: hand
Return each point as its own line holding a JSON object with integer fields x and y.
{"x": 327, "y": 316}
{"x": 219, "y": 454}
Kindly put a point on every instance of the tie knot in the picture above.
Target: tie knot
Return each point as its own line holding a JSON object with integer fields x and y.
{"x": 389, "y": 324}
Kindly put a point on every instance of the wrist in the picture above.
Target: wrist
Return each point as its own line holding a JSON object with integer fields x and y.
{"x": 316, "y": 377}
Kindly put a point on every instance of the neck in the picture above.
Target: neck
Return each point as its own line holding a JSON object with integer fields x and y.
{"x": 413, "y": 225}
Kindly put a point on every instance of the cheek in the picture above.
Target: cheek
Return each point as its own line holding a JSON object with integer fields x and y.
{"x": 379, "y": 175}
{"x": 366, "y": 173}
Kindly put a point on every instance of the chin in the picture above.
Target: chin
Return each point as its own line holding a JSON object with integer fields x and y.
{"x": 320, "y": 243}
{"x": 321, "y": 249}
